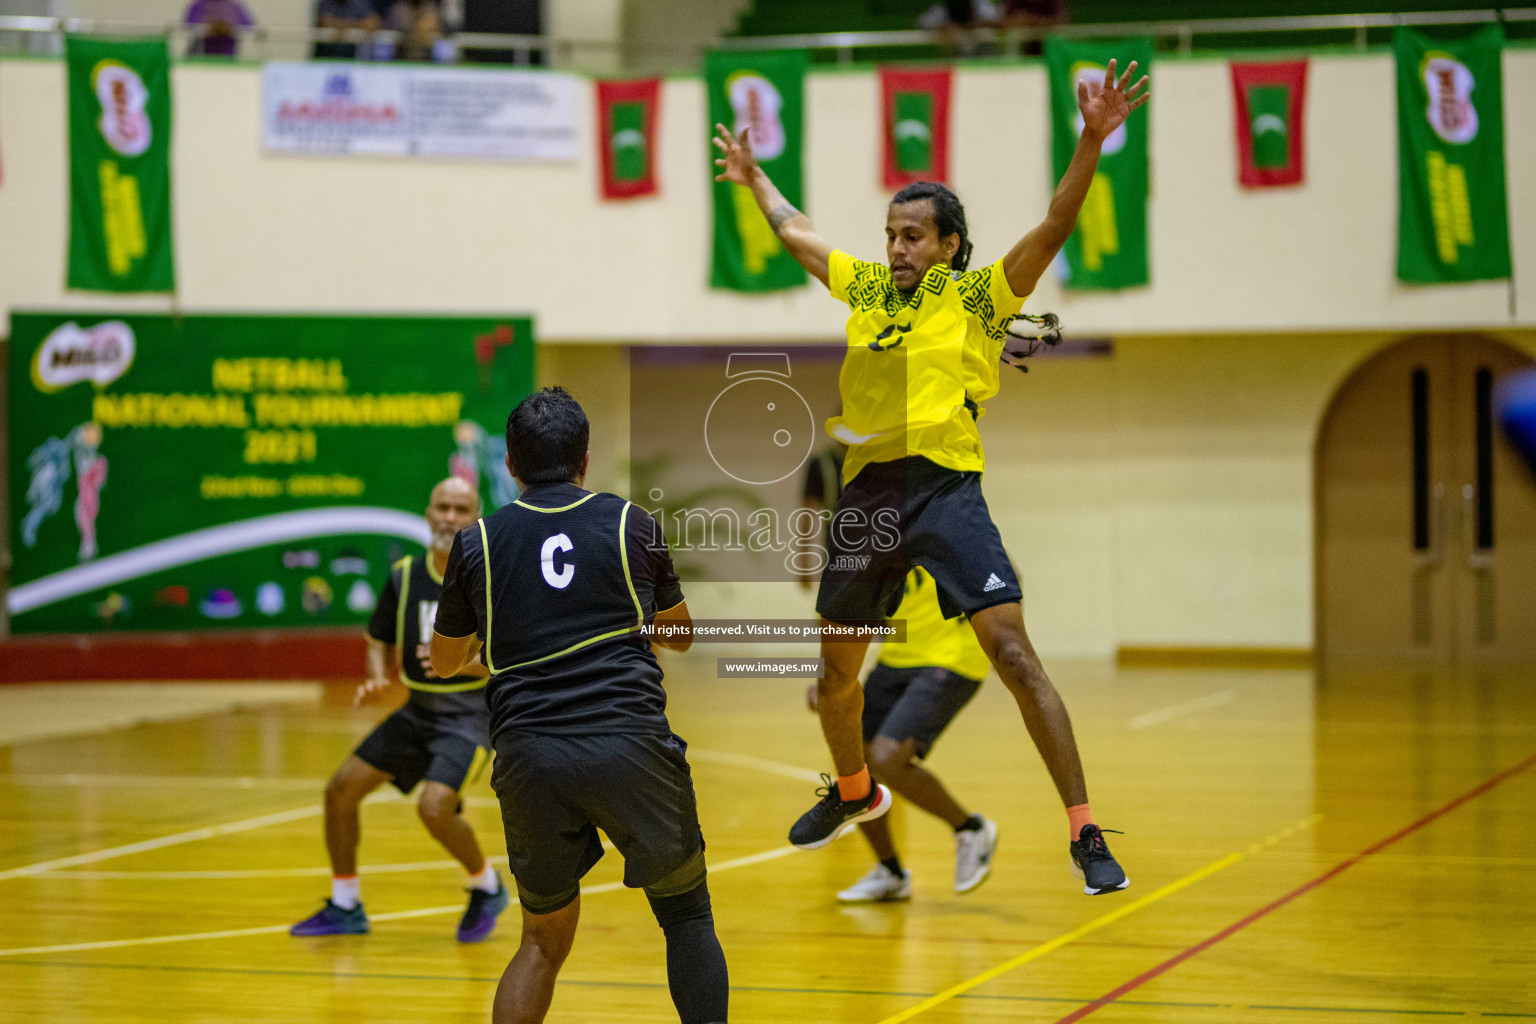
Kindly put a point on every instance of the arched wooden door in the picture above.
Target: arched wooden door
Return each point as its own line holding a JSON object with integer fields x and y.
{"x": 1426, "y": 517}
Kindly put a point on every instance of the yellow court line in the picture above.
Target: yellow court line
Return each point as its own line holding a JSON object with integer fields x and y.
{"x": 1124, "y": 910}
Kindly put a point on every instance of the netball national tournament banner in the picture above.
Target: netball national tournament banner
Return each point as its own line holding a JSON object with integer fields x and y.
{"x": 914, "y": 110}
{"x": 628, "y": 114}
{"x": 1109, "y": 247}
{"x": 119, "y": 165}
{"x": 1268, "y": 101}
{"x": 1453, "y": 218}
{"x": 763, "y": 92}
{"x": 229, "y": 471}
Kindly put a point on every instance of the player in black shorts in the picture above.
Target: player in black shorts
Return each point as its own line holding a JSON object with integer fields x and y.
{"x": 925, "y": 340}
{"x": 439, "y": 738}
{"x": 557, "y": 589}
{"x": 916, "y": 689}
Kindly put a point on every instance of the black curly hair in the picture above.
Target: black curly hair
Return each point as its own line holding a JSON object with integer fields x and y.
{"x": 948, "y": 215}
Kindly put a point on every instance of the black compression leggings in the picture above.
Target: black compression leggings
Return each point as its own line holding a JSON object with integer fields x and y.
{"x": 695, "y": 962}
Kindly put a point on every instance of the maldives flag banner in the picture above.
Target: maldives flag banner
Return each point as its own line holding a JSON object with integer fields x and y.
{"x": 1268, "y": 102}
{"x": 626, "y": 136}
{"x": 1453, "y": 214}
{"x": 915, "y": 113}
{"x": 1108, "y": 249}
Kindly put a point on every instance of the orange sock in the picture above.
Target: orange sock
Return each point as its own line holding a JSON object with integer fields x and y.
{"x": 854, "y": 787}
{"x": 1077, "y": 817}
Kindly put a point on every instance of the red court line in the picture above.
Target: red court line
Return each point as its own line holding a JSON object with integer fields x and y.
{"x": 1331, "y": 873}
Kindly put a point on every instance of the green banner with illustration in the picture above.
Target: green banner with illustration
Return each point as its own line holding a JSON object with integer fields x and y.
{"x": 241, "y": 471}
{"x": 1453, "y": 214}
{"x": 1109, "y": 247}
{"x": 119, "y": 165}
{"x": 762, "y": 92}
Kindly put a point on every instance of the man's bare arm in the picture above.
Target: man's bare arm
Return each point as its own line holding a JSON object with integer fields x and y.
{"x": 1102, "y": 112}
{"x": 792, "y": 227}
{"x": 451, "y": 654}
{"x": 679, "y": 625}
{"x": 379, "y": 655}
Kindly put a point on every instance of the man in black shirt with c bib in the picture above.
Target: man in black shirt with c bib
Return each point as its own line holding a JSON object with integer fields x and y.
{"x": 556, "y": 589}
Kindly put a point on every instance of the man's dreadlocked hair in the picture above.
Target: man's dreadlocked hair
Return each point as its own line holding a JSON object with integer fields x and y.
{"x": 948, "y": 215}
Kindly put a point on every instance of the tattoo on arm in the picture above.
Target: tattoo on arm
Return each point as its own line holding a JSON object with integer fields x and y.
{"x": 781, "y": 214}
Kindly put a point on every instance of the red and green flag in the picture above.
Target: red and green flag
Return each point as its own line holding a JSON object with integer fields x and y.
{"x": 1268, "y": 102}
{"x": 915, "y": 113}
{"x": 1453, "y": 208}
{"x": 626, "y": 136}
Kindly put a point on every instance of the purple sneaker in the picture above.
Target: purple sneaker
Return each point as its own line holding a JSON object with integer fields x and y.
{"x": 484, "y": 908}
{"x": 332, "y": 920}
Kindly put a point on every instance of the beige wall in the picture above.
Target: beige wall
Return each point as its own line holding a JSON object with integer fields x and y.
{"x": 297, "y": 233}
{"x": 1159, "y": 497}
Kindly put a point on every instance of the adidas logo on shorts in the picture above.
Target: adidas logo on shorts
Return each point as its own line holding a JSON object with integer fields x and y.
{"x": 993, "y": 583}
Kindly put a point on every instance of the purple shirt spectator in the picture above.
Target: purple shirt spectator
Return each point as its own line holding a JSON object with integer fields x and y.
{"x": 222, "y": 18}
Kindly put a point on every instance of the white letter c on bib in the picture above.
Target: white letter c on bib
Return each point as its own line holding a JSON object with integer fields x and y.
{"x": 561, "y": 578}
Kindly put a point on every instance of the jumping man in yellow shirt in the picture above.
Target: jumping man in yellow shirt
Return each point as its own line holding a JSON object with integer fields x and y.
{"x": 924, "y": 343}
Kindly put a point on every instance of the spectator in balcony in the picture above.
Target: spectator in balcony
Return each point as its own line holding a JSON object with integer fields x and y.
{"x": 221, "y": 21}
{"x": 344, "y": 14}
{"x": 420, "y": 24}
{"x": 1035, "y": 14}
{"x": 955, "y": 20}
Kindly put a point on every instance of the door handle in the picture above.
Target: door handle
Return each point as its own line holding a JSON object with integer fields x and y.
{"x": 1477, "y": 560}
{"x": 1430, "y": 557}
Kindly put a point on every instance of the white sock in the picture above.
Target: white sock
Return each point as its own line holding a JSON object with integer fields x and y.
{"x": 486, "y": 880}
{"x": 346, "y": 893}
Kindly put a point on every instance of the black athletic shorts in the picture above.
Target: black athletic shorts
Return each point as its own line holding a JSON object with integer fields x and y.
{"x": 895, "y": 515}
{"x": 411, "y": 745}
{"x": 914, "y": 703}
{"x": 557, "y": 790}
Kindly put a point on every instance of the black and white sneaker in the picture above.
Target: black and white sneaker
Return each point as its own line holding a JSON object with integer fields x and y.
{"x": 833, "y": 815}
{"x": 1094, "y": 864}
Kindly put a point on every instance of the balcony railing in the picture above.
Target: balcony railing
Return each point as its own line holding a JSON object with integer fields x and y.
{"x": 262, "y": 42}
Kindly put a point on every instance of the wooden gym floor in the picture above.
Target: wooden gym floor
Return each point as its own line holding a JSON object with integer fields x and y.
{"x": 1350, "y": 847}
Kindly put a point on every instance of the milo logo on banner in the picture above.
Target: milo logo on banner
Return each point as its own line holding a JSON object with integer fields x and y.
{"x": 1091, "y": 76}
{"x": 71, "y": 354}
{"x": 1449, "y": 84}
{"x": 123, "y": 96}
{"x": 757, "y": 105}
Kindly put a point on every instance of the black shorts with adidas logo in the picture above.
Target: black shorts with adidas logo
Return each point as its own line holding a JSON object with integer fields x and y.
{"x": 912, "y": 511}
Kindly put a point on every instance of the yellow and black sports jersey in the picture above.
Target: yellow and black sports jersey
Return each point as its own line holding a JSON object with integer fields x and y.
{"x": 932, "y": 640}
{"x": 913, "y": 361}
{"x": 403, "y": 617}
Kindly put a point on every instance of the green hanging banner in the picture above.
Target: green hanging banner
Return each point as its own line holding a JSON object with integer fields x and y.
{"x": 119, "y": 165}
{"x": 1453, "y": 216}
{"x": 763, "y": 92}
{"x": 1109, "y": 248}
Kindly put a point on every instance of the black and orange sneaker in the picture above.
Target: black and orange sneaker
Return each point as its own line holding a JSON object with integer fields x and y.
{"x": 833, "y": 815}
{"x": 1094, "y": 864}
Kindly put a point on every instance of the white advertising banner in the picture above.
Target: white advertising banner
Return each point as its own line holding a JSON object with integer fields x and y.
{"x": 343, "y": 108}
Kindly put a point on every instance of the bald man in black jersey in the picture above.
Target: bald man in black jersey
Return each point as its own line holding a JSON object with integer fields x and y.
{"x": 439, "y": 738}
{"x": 560, "y": 589}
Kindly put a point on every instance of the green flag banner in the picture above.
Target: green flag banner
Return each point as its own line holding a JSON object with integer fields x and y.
{"x": 119, "y": 165}
{"x": 241, "y": 471}
{"x": 1453, "y": 217}
{"x": 1109, "y": 247}
{"x": 763, "y": 92}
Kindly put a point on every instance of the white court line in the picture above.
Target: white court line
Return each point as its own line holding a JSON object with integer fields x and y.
{"x": 1177, "y": 711}
{"x": 396, "y": 915}
{"x": 725, "y": 757}
{"x": 242, "y": 782}
{"x": 192, "y": 836}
